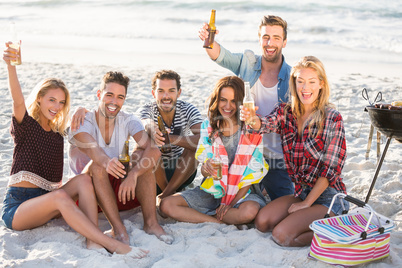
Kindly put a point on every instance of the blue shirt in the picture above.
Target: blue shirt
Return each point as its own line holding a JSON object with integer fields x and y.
{"x": 247, "y": 66}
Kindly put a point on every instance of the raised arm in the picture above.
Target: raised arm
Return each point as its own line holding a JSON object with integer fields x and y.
{"x": 203, "y": 34}
{"x": 19, "y": 107}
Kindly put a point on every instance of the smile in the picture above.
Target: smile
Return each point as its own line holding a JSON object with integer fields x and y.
{"x": 270, "y": 51}
{"x": 306, "y": 95}
{"x": 52, "y": 113}
{"x": 111, "y": 109}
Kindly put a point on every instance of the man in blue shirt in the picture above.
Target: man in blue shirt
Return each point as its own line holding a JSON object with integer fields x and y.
{"x": 268, "y": 75}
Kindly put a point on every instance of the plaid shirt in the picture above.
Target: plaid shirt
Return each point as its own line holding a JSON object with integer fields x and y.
{"x": 308, "y": 158}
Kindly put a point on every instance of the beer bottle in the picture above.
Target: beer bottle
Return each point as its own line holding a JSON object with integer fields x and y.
{"x": 16, "y": 44}
{"x": 124, "y": 158}
{"x": 216, "y": 161}
{"x": 209, "y": 42}
{"x": 248, "y": 102}
{"x": 167, "y": 147}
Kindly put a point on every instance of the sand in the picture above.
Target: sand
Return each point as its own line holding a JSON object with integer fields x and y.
{"x": 197, "y": 245}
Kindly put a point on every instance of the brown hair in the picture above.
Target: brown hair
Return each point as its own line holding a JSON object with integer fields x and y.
{"x": 272, "y": 20}
{"x": 168, "y": 75}
{"x": 115, "y": 77}
{"x": 215, "y": 117}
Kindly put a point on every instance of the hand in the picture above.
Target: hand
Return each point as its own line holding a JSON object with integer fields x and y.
{"x": 78, "y": 118}
{"x": 209, "y": 168}
{"x": 298, "y": 206}
{"x": 245, "y": 113}
{"x": 203, "y": 32}
{"x": 222, "y": 210}
{"x": 10, "y": 54}
{"x": 115, "y": 168}
{"x": 157, "y": 136}
{"x": 127, "y": 188}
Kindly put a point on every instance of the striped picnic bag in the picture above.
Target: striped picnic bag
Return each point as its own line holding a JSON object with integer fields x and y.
{"x": 358, "y": 237}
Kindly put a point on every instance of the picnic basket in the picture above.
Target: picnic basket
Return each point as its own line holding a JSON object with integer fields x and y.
{"x": 360, "y": 236}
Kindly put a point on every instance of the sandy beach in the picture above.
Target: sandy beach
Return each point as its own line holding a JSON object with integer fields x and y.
{"x": 80, "y": 62}
{"x": 199, "y": 245}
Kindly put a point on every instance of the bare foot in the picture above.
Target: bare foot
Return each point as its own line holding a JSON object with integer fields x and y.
{"x": 92, "y": 245}
{"x": 132, "y": 252}
{"x": 158, "y": 231}
{"x": 121, "y": 237}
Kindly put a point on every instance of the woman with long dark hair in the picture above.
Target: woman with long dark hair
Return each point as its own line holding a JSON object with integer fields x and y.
{"x": 235, "y": 198}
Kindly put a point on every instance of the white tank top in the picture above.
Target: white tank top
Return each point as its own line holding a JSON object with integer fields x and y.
{"x": 266, "y": 99}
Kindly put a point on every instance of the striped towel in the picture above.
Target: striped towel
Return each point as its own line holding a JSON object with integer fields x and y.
{"x": 248, "y": 167}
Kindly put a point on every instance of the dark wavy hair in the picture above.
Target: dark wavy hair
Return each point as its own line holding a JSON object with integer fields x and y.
{"x": 215, "y": 117}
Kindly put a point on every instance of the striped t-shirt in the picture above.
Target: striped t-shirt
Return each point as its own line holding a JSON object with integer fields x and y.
{"x": 186, "y": 116}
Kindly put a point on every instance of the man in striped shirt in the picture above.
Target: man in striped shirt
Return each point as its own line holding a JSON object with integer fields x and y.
{"x": 176, "y": 169}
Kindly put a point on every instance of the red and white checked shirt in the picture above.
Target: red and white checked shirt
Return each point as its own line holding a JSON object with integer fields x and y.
{"x": 308, "y": 158}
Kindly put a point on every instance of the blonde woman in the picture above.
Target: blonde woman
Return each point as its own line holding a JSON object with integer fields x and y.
{"x": 35, "y": 193}
{"x": 313, "y": 141}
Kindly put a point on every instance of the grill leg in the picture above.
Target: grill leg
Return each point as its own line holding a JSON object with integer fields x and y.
{"x": 378, "y": 168}
{"x": 378, "y": 145}
{"x": 369, "y": 142}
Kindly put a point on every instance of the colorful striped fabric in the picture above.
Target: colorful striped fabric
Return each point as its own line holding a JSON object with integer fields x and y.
{"x": 348, "y": 228}
{"x": 359, "y": 252}
{"x": 248, "y": 167}
{"x": 338, "y": 240}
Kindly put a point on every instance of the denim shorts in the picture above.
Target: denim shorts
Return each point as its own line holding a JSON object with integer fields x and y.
{"x": 15, "y": 196}
{"x": 205, "y": 203}
{"x": 325, "y": 199}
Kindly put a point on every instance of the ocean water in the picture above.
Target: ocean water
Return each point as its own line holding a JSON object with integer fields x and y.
{"x": 366, "y": 26}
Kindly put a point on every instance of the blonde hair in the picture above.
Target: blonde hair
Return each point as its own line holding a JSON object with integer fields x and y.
{"x": 60, "y": 122}
{"x": 322, "y": 101}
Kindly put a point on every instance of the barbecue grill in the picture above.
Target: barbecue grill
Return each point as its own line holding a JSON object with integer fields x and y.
{"x": 389, "y": 123}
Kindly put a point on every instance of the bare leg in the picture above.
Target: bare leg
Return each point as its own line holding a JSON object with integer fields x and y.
{"x": 177, "y": 208}
{"x": 294, "y": 230}
{"x": 186, "y": 166}
{"x": 146, "y": 195}
{"x": 160, "y": 175}
{"x": 273, "y": 213}
{"x": 38, "y": 211}
{"x": 81, "y": 188}
{"x": 107, "y": 202}
{"x": 245, "y": 213}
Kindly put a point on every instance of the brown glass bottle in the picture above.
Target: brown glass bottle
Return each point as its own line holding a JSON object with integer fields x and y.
{"x": 124, "y": 158}
{"x": 209, "y": 42}
{"x": 167, "y": 147}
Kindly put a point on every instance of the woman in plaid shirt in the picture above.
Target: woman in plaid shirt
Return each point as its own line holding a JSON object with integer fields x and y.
{"x": 314, "y": 147}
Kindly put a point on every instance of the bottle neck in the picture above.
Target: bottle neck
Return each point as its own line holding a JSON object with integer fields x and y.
{"x": 247, "y": 92}
{"x": 212, "y": 20}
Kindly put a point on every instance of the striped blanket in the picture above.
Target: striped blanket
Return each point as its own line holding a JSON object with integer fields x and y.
{"x": 248, "y": 167}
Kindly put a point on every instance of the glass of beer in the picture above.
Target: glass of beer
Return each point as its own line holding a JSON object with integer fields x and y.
{"x": 17, "y": 46}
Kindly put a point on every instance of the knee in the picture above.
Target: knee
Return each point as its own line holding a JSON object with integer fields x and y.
{"x": 263, "y": 223}
{"x": 249, "y": 213}
{"x": 61, "y": 197}
{"x": 85, "y": 183}
{"x": 166, "y": 205}
{"x": 281, "y": 236}
{"x": 97, "y": 171}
